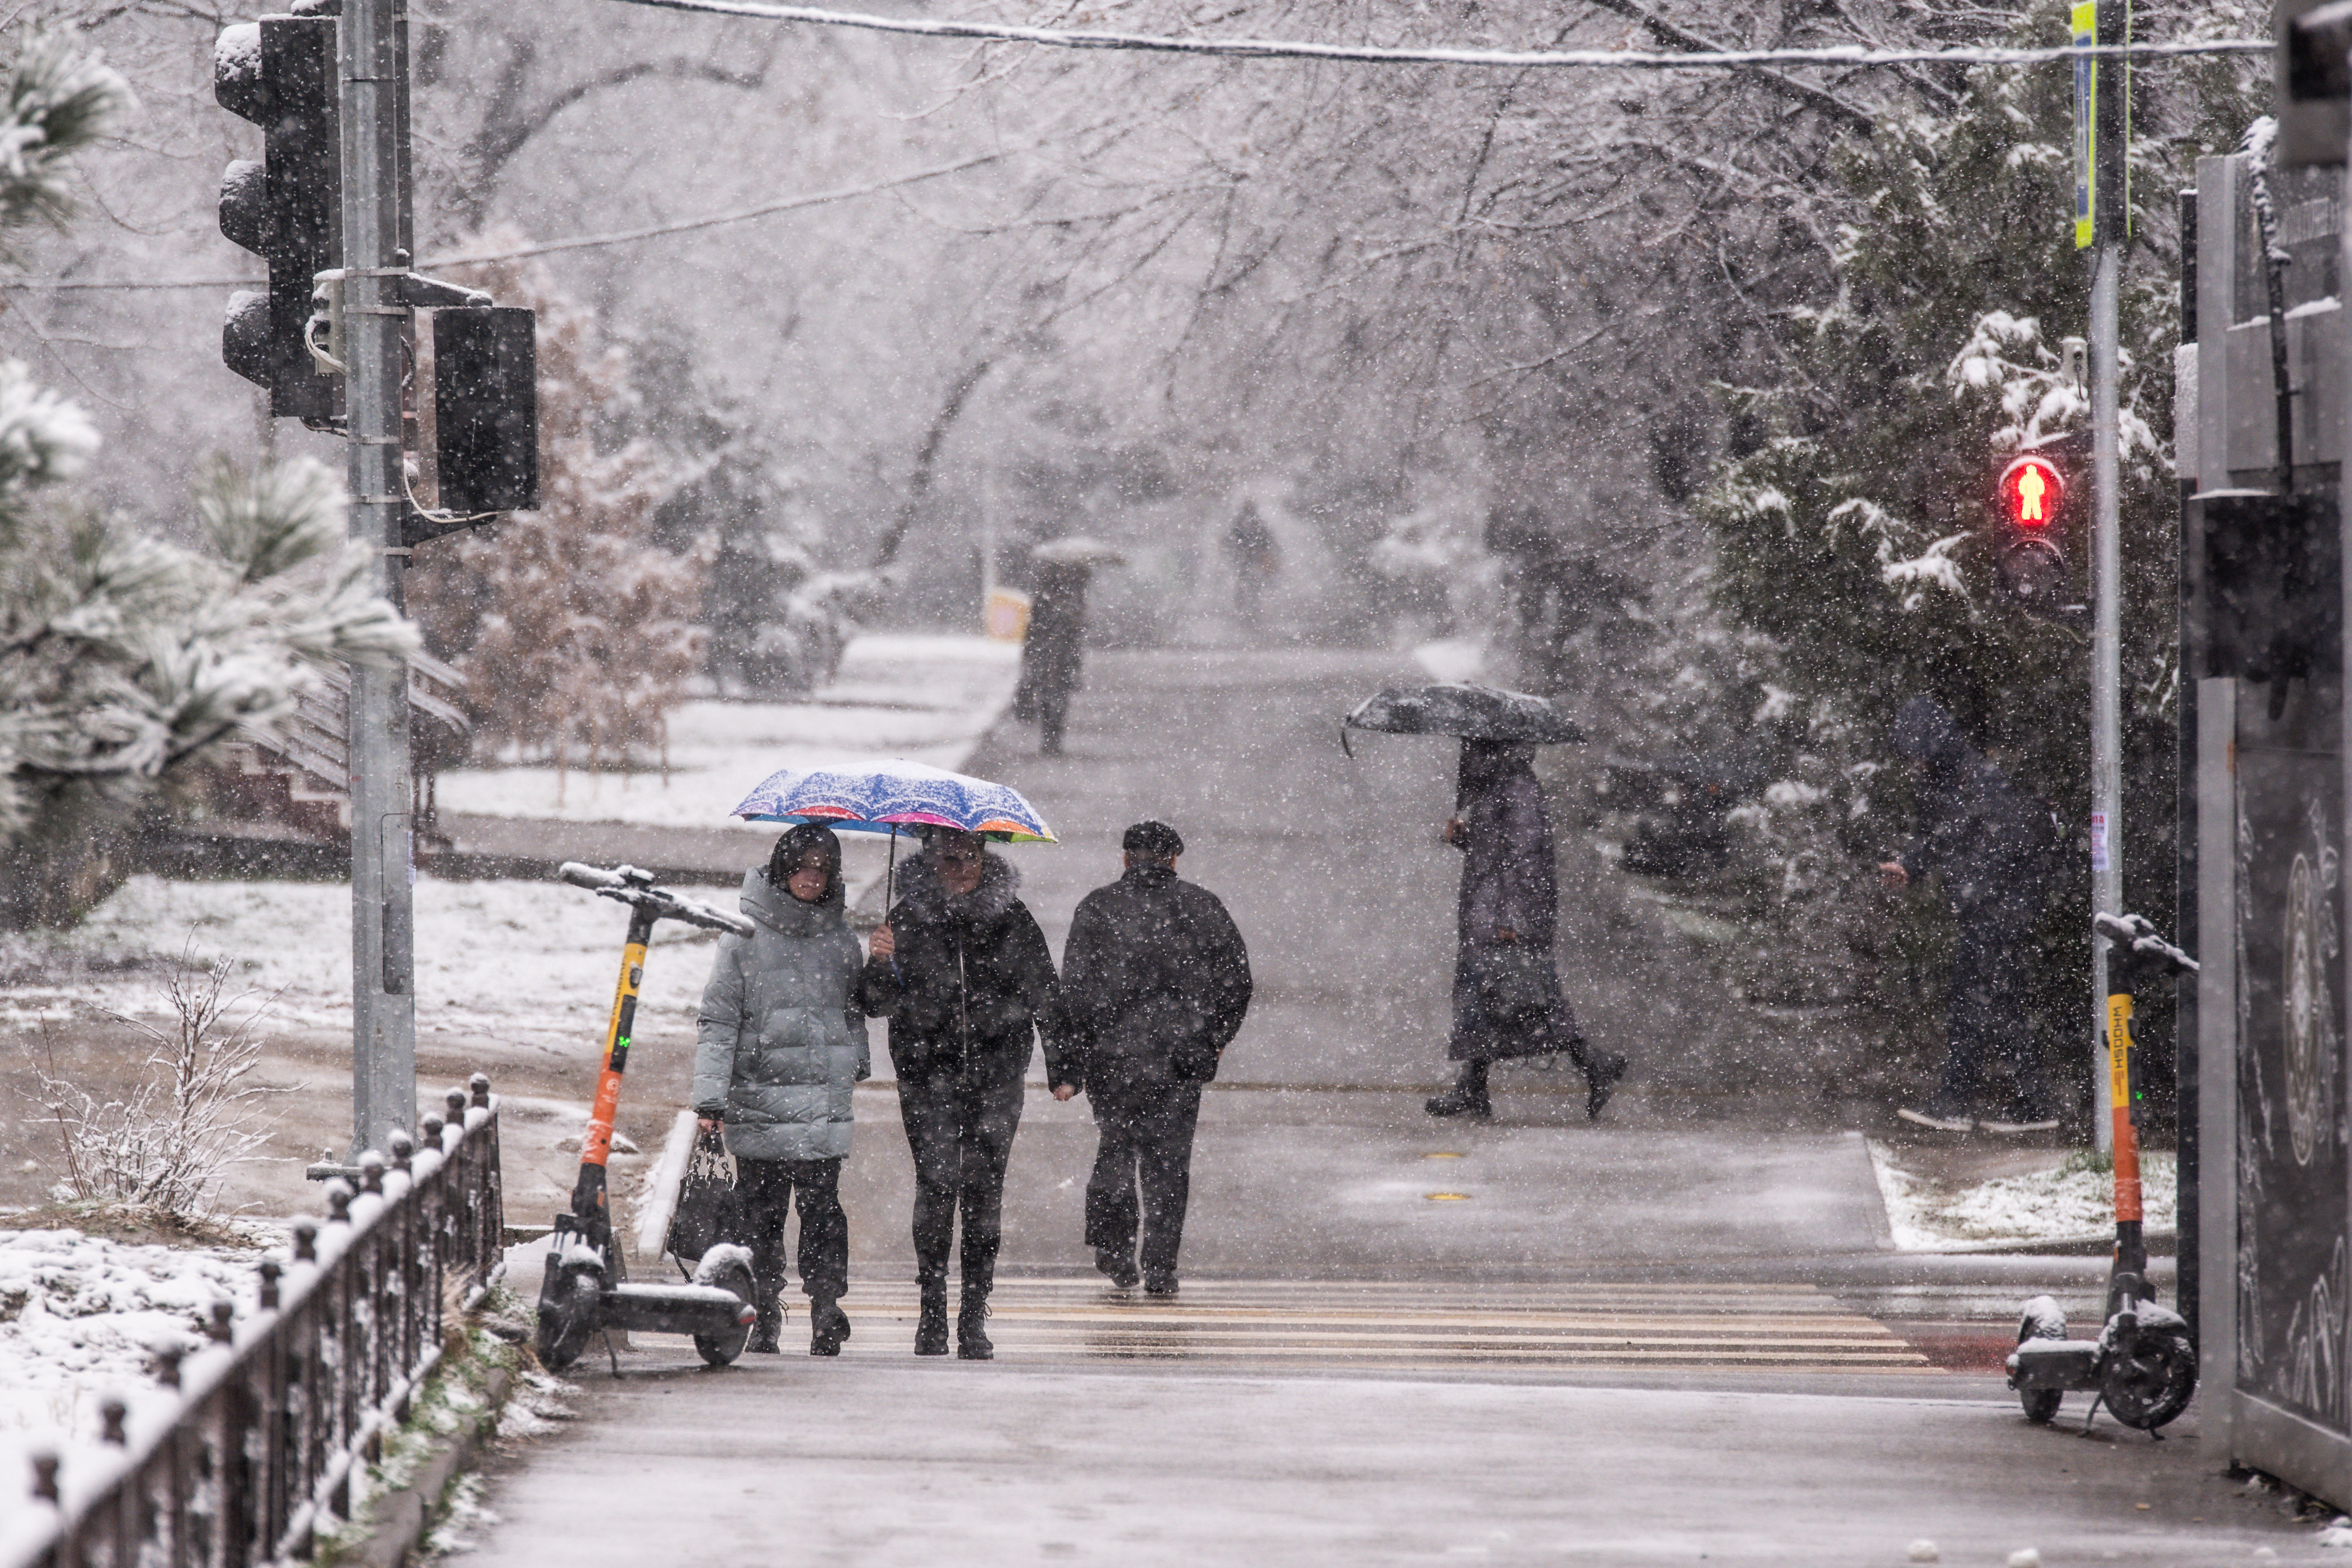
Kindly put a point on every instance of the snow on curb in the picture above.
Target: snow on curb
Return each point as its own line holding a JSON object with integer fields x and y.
{"x": 2064, "y": 1203}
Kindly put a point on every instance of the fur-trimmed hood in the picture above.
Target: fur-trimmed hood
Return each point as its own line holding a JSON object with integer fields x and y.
{"x": 918, "y": 887}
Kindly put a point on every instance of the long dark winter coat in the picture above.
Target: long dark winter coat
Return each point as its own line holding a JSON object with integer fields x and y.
{"x": 1988, "y": 838}
{"x": 1053, "y": 653}
{"x": 1507, "y": 883}
{"x": 781, "y": 1039}
{"x": 972, "y": 979}
{"x": 1155, "y": 982}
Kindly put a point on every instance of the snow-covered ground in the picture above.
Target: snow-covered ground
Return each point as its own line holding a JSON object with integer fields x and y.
{"x": 531, "y": 961}
{"x": 927, "y": 698}
{"x": 2068, "y": 1200}
{"x": 79, "y": 1321}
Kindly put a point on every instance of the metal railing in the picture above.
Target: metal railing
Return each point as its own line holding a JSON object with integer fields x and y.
{"x": 276, "y": 1412}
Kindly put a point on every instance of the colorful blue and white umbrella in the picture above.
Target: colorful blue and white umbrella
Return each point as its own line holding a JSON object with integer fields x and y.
{"x": 882, "y": 796}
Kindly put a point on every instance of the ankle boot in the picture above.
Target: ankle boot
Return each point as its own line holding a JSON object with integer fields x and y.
{"x": 1468, "y": 1096}
{"x": 932, "y": 1324}
{"x": 972, "y": 1334}
{"x": 768, "y": 1324}
{"x": 828, "y": 1325}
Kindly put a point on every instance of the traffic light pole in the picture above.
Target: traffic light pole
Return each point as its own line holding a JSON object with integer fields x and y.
{"x": 2110, "y": 215}
{"x": 383, "y": 1002}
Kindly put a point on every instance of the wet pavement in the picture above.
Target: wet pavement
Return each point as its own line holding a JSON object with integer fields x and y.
{"x": 1679, "y": 1332}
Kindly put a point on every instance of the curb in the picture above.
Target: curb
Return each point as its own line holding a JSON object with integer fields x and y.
{"x": 403, "y": 1517}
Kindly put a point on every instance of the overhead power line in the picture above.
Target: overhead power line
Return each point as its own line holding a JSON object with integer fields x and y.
{"x": 549, "y": 246}
{"x": 1848, "y": 55}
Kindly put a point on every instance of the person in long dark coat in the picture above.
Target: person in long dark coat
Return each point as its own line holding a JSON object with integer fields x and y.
{"x": 1509, "y": 899}
{"x": 1155, "y": 984}
{"x": 1989, "y": 840}
{"x": 1051, "y": 654}
{"x": 965, "y": 978}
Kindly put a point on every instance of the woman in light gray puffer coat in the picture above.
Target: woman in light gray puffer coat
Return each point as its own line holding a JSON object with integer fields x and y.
{"x": 781, "y": 1042}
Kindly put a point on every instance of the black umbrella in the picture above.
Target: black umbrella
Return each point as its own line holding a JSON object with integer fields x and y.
{"x": 1476, "y": 712}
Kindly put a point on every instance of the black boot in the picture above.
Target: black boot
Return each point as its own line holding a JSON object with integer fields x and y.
{"x": 1120, "y": 1266}
{"x": 1468, "y": 1097}
{"x": 769, "y": 1324}
{"x": 931, "y": 1325}
{"x": 828, "y": 1325}
{"x": 1601, "y": 1071}
{"x": 972, "y": 1332}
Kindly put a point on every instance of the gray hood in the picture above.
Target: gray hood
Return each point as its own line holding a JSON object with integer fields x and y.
{"x": 785, "y": 915}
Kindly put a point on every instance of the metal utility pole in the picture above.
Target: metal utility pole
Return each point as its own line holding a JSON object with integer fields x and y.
{"x": 2102, "y": 225}
{"x": 374, "y": 60}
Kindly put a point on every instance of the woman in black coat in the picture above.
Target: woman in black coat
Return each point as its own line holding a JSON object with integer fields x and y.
{"x": 965, "y": 977}
{"x": 1506, "y": 913}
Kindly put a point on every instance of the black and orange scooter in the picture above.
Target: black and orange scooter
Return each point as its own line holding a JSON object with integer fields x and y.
{"x": 2142, "y": 1365}
{"x": 587, "y": 1289}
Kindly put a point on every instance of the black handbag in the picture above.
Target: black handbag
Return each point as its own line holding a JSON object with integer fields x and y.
{"x": 1517, "y": 984}
{"x": 706, "y": 1201}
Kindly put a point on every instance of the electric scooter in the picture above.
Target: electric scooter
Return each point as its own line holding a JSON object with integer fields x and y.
{"x": 2142, "y": 1365}
{"x": 586, "y": 1290}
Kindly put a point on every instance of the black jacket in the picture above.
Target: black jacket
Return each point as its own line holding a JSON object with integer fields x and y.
{"x": 971, "y": 979}
{"x": 1991, "y": 841}
{"x": 1155, "y": 978}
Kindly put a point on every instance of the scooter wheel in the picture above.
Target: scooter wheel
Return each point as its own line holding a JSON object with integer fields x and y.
{"x": 566, "y": 1323}
{"x": 2155, "y": 1382}
{"x": 721, "y": 1349}
{"x": 2040, "y": 1403}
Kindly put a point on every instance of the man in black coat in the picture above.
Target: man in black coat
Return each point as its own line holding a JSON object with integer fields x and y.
{"x": 1990, "y": 841}
{"x": 965, "y": 977}
{"x": 1155, "y": 983}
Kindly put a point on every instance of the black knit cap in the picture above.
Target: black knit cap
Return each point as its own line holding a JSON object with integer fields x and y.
{"x": 1152, "y": 839}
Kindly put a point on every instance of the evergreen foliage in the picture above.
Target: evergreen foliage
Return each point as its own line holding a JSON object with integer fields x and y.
{"x": 1854, "y": 523}
{"x": 123, "y": 656}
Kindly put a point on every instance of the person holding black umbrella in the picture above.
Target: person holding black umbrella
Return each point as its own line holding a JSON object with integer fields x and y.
{"x": 1508, "y": 1002}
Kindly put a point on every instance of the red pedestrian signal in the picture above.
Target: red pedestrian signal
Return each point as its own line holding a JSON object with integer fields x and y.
{"x": 2031, "y": 490}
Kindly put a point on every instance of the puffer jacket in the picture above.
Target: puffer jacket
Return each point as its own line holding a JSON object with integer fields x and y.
{"x": 972, "y": 978}
{"x": 781, "y": 1039}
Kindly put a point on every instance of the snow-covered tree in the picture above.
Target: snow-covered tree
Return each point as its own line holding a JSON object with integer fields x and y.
{"x": 1854, "y": 524}
{"x": 575, "y": 628}
{"x": 124, "y": 656}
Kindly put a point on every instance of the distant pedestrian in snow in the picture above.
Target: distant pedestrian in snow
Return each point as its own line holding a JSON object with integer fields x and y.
{"x": 1250, "y": 546}
{"x": 966, "y": 978}
{"x": 1990, "y": 841}
{"x": 782, "y": 1041}
{"x": 1507, "y": 1001}
{"x": 1052, "y": 653}
{"x": 1155, "y": 983}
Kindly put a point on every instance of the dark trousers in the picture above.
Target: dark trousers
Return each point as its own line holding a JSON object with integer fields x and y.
{"x": 960, "y": 1130}
{"x": 1053, "y": 718}
{"x": 1988, "y": 1015}
{"x": 1147, "y": 1127}
{"x": 764, "y": 1198}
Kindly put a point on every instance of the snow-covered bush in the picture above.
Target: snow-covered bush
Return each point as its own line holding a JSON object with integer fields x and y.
{"x": 167, "y": 1145}
{"x": 575, "y": 628}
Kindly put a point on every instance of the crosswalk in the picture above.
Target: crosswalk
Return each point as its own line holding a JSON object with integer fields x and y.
{"x": 1373, "y": 1326}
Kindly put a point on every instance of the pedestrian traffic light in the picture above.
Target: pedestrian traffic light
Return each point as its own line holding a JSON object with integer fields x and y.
{"x": 485, "y": 409}
{"x": 2029, "y": 567}
{"x": 280, "y": 73}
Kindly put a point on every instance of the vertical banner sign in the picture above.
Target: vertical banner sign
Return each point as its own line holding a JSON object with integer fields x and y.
{"x": 2086, "y": 124}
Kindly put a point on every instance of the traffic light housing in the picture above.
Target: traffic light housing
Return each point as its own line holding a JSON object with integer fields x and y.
{"x": 2029, "y": 565}
{"x": 485, "y": 409}
{"x": 280, "y": 73}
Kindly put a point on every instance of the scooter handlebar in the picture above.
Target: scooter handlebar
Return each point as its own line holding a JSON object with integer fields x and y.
{"x": 627, "y": 885}
{"x": 2136, "y": 935}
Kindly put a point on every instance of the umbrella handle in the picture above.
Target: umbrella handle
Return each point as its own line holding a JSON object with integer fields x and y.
{"x": 889, "y": 876}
